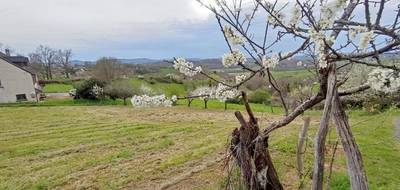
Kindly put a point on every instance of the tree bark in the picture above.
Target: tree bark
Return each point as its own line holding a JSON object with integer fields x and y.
{"x": 355, "y": 165}
{"x": 319, "y": 154}
{"x": 252, "y": 155}
{"x": 205, "y": 104}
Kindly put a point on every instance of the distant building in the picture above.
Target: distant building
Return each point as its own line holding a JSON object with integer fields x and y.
{"x": 17, "y": 82}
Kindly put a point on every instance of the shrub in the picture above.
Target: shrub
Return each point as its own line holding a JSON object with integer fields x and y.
{"x": 371, "y": 101}
{"x": 260, "y": 97}
{"x": 120, "y": 89}
{"x": 90, "y": 89}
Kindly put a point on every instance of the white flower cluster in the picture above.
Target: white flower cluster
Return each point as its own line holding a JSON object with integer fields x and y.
{"x": 146, "y": 101}
{"x": 329, "y": 12}
{"x": 366, "y": 35}
{"x": 240, "y": 78}
{"x": 223, "y": 92}
{"x": 204, "y": 92}
{"x": 233, "y": 58}
{"x": 365, "y": 39}
{"x": 353, "y": 31}
{"x": 318, "y": 38}
{"x": 296, "y": 15}
{"x": 186, "y": 68}
{"x": 232, "y": 36}
{"x": 270, "y": 63}
{"x": 384, "y": 80}
{"x": 300, "y": 63}
{"x": 97, "y": 90}
{"x": 174, "y": 98}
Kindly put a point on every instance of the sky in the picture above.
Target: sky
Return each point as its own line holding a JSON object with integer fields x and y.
{"x": 118, "y": 28}
{"x": 157, "y": 29}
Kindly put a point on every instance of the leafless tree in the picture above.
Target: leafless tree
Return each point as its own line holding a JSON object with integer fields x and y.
{"x": 324, "y": 30}
{"x": 107, "y": 69}
{"x": 47, "y": 58}
{"x": 64, "y": 62}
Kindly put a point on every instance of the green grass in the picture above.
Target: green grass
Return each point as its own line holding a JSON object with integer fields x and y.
{"x": 217, "y": 105}
{"x": 56, "y": 145}
{"x": 67, "y": 102}
{"x": 103, "y": 147}
{"x": 292, "y": 74}
{"x": 57, "y": 88}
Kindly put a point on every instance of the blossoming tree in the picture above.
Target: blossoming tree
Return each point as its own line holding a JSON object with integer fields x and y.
{"x": 336, "y": 34}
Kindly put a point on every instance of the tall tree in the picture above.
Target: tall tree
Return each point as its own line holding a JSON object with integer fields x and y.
{"x": 47, "y": 58}
{"x": 64, "y": 62}
{"x": 107, "y": 69}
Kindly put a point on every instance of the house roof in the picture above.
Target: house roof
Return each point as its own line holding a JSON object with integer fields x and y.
{"x": 17, "y": 61}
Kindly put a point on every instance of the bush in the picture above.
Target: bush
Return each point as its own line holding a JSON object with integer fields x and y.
{"x": 120, "y": 89}
{"x": 260, "y": 97}
{"x": 372, "y": 102}
{"x": 90, "y": 89}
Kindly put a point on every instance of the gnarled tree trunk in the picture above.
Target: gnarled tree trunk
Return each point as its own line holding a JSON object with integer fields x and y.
{"x": 252, "y": 155}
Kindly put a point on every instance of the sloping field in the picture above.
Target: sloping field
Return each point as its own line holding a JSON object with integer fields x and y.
{"x": 115, "y": 147}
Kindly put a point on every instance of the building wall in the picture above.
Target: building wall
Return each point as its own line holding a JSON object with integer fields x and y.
{"x": 15, "y": 81}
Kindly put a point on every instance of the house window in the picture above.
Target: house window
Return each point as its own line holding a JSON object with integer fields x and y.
{"x": 21, "y": 97}
{"x": 1, "y": 85}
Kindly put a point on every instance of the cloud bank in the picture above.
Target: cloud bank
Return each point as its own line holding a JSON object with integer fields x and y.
{"x": 82, "y": 24}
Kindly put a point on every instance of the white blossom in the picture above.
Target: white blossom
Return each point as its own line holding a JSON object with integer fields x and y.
{"x": 186, "y": 68}
{"x": 365, "y": 39}
{"x": 233, "y": 58}
{"x": 384, "y": 80}
{"x": 151, "y": 101}
{"x": 232, "y": 36}
{"x": 318, "y": 38}
{"x": 204, "y": 92}
{"x": 223, "y": 92}
{"x": 353, "y": 31}
{"x": 97, "y": 90}
{"x": 329, "y": 12}
{"x": 174, "y": 98}
{"x": 270, "y": 63}
{"x": 296, "y": 15}
{"x": 300, "y": 63}
{"x": 240, "y": 78}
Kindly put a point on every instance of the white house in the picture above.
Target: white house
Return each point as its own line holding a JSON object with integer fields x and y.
{"x": 17, "y": 83}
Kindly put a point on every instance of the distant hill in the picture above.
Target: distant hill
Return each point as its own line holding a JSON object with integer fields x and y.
{"x": 123, "y": 61}
{"x": 138, "y": 61}
{"x": 209, "y": 63}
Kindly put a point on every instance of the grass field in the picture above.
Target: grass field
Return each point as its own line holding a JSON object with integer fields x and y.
{"x": 293, "y": 74}
{"x": 57, "y": 88}
{"x": 117, "y": 147}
